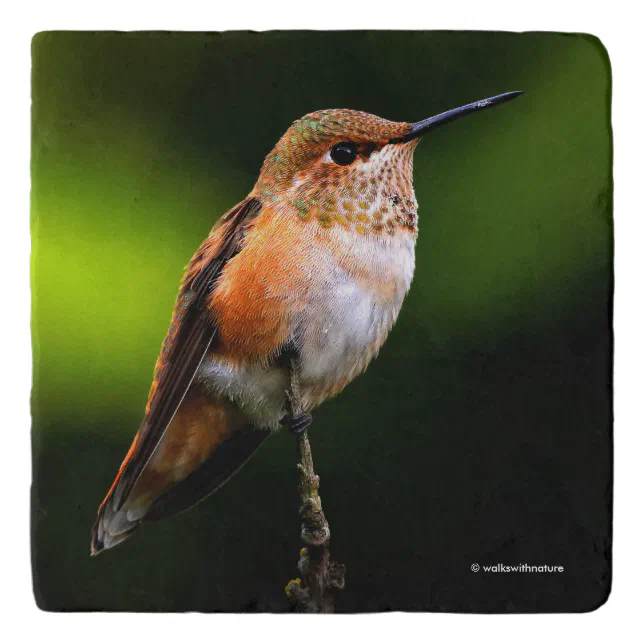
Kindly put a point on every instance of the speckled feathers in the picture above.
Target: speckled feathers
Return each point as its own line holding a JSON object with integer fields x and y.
{"x": 374, "y": 195}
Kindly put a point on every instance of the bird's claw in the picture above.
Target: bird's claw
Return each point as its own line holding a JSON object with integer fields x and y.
{"x": 297, "y": 422}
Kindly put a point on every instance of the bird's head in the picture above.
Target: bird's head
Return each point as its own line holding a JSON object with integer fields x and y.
{"x": 351, "y": 169}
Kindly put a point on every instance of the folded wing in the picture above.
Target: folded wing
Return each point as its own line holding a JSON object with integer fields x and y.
{"x": 177, "y": 437}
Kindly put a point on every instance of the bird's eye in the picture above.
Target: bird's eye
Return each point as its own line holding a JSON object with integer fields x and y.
{"x": 344, "y": 153}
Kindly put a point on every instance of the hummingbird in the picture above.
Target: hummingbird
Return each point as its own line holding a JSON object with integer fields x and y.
{"x": 288, "y": 299}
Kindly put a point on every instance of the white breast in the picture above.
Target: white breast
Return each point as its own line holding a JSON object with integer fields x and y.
{"x": 348, "y": 319}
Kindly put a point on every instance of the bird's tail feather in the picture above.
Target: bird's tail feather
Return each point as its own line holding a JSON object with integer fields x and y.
{"x": 204, "y": 445}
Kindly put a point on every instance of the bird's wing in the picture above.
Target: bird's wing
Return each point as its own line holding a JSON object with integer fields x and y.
{"x": 190, "y": 334}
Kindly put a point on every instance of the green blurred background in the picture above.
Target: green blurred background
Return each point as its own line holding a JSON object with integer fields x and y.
{"x": 482, "y": 433}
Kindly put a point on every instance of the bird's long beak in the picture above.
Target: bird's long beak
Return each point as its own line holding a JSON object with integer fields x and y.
{"x": 433, "y": 122}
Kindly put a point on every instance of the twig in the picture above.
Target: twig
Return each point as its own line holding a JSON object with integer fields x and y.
{"x": 321, "y": 578}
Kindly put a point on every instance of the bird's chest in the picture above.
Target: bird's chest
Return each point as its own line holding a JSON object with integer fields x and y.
{"x": 334, "y": 301}
{"x": 350, "y": 310}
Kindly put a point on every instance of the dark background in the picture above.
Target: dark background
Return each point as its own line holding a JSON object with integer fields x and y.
{"x": 482, "y": 433}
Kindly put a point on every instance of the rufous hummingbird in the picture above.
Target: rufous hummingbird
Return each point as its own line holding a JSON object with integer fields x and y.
{"x": 294, "y": 290}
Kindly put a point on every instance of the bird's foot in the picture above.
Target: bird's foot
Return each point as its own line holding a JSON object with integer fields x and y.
{"x": 297, "y": 422}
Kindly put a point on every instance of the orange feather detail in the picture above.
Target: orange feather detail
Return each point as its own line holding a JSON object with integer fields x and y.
{"x": 259, "y": 293}
{"x": 200, "y": 425}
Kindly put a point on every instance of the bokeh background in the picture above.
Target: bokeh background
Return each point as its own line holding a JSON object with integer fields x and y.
{"x": 482, "y": 433}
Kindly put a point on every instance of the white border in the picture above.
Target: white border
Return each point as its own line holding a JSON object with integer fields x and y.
{"x": 620, "y": 32}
